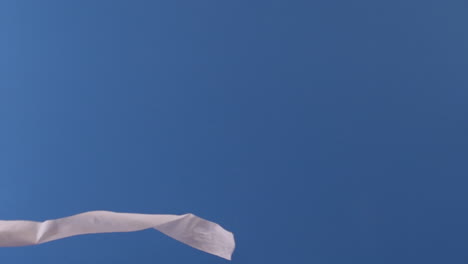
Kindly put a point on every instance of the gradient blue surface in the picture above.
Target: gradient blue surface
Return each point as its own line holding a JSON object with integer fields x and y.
{"x": 317, "y": 131}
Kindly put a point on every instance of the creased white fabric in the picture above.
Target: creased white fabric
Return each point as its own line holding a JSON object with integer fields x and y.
{"x": 188, "y": 228}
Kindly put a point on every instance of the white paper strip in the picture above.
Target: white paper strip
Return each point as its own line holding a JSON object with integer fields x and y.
{"x": 189, "y": 229}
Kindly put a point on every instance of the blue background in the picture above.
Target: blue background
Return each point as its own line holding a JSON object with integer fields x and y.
{"x": 317, "y": 131}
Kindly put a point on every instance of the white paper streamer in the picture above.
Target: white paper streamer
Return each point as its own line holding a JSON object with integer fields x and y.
{"x": 189, "y": 229}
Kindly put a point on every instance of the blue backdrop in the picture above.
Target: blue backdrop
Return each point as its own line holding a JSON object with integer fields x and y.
{"x": 326, "y": 131}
